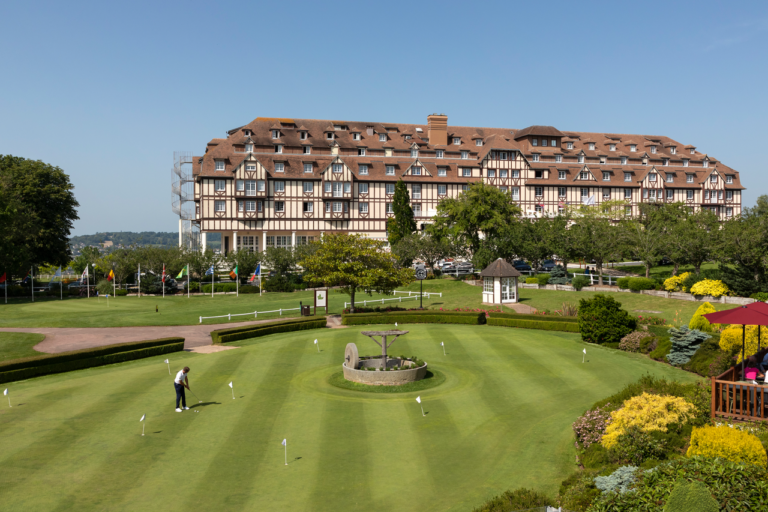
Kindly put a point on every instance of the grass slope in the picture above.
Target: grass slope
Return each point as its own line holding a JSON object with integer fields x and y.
{"x": 501, "y": 420}
{"x": 14, "y": 345}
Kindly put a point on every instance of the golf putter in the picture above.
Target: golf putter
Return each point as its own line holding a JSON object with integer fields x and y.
{"x": 198, "y": 398}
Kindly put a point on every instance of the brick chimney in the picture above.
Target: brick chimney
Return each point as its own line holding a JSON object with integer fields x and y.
{"x": 437, "y": 129}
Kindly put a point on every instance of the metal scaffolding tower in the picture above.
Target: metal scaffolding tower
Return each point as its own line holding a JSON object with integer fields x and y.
{"x": 182, "y": 199}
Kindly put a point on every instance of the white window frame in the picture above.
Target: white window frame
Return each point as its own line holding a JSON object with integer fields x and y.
{"x": 580, "y": 159}
{"x": 250, "y": 187}
{"x": 362, "y": 207}
{"x": 309, "y": 187}
{"x": 275, "y": 134}
{"x": 279, "y": 149}
{"x": 442, "y": 190}
{"x": 363, "y": 169}
{"x": 670, "y": 193}
{"x": 389, "y": 208}
{"x": 623, "y": 160}
{"x": 591, "y": 146}
{"x": 337, "y": 207}
{"x": 729, "y": 179}
{"x": 442, "y": 171}
{"x": 308, "y": 207}
{"x": 653, "y": 150}
{"x": 416, "y": 191}
{"x": 561, "y": 175}
{"x": 569, "y": 145}
{"x": 689, "y": 178}
{"x": 260, "y": 186}
{"x": 544, "y": 142}
{"x": 219, "y": 206}
{"x": 562, "y": 192}
{"x": 466, "y": 172}
{"x": 220, "y": 185}
{"x": 535, "y": 142}
{"x": 382, "y": 137}
{"x": 355, "y": 136}
{"x": 515, "y": 193}
{"x": 538, "y": 191}
{"x": 439, "y": 153}
{"x": 302, "y": 135}
{"x": 558, "y": 158}
{"x": 307, "y": 150}
{"x": 478, "y": 142}
{"x": 279, "y": 186}
{"x": 279, "y": 167}
{"x": 308, "y": 168}
{"x": 240, "y": 185}
{"x": 416, "y": 170}
{"x": 362, "y": 188}
{"x": 250, "y": 206}
{"x": 627, "y": 193}
{"x": 606, "y": 176}
{"x": 279, "y": 206}
{"x": 633, "y": 147}
{"x": 627, "y": 176}
{"x": 390, "y": 171}
{"x": 250, "y": 167}
{"x": 389, "y": 189}
{"x": 515, "y": 173}
{"x": 502, "y": 155}
{"x": 465, "y": 155}
{"x": 729, "y": 195}
{"x": 652, "y": 177}
{"x": 457, "y": 141}
{"x": 535, "y": 157}
{"x": 670, "y": 178}
{"x": 713, "y": 178}
{"x": 360, "y": 151}
{"x": 612, "y": 147}
{"x": 337, "y": 168}
{"x": 249, "y": 148}
{"x": 220, "y": 166}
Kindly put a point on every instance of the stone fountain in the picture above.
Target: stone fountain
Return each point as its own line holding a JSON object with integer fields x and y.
{"x": 381, "y": 370}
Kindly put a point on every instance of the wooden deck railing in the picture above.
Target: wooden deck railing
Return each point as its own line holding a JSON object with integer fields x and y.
{"x": 737, "y": 400}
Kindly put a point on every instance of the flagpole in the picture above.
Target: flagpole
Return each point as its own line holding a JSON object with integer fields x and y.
{"x": 187, "y": 280}
{"x": 259, "y": 280}
{"x": 163, "y": 280}
{"x": 61, "y": 284}
{"x": 114, "y": 282}
{"x": 237, "y": 280}
{"x": 32, "y": 277}
{"x": 139, "y": 279}
{"x": 88, "y": 281}
{"x": 213, "y": 274}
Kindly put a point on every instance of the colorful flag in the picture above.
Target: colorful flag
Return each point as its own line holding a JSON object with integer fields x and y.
{"x": 163, "y": 272}
{"x": 184, "y": 272}
{"x": 26, "y": 279}
{"x": 256, "y": 273}
{"x": 2, "y": 278}
{"x": 111, "y": 276}
{"x": 209, "y": 272}
{"x": 233, "y": 274}
{"x": 85, "y": 274}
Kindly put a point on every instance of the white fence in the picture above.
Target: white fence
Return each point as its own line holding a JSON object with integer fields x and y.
{"x": 410, "y": 294}
{"x": 595, "y": 279}
{"x": 381, "y": 301}
{"x": 254, "y": 314}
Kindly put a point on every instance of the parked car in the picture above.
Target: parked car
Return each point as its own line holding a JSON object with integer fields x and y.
{"x": 666, "y": 261}
{"x": 548, "y": 265}
{"x": 521, "y": 265}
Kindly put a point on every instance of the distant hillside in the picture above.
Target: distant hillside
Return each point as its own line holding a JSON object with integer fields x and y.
{"x": 128, "y": 238}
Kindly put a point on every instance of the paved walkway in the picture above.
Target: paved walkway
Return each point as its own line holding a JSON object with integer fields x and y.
{"x": 523, "y": 309}
{"x": 64, "y": 339}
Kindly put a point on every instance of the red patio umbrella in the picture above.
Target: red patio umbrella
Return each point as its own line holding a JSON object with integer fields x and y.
{"x": 752, "y": 314}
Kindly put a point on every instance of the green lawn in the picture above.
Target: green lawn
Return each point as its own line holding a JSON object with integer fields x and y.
{"x": 664, "y": 271}
{"x": 179, "y": 310}
{"x": 501, "y": 420}
{"x": 14, "y": 345}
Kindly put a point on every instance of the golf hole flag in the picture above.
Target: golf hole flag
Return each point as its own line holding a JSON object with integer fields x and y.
{"x": 285, "y": 443}
{"x": 584, "y": 356}
{"x": 233, "y": 390}
{"x": 9, "y": 398}
{"x": 142, "y": 423}
{"x": 418, "y": 399}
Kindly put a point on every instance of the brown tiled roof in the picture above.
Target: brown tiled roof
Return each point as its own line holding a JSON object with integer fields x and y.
{"x": 547, "y": 131}
{"x": 500, "y": 268}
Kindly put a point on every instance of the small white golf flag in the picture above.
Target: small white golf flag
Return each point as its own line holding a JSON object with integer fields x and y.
{"x": 442, "y": 344}
{"x": 142, "y": 423}
{"x": 233, "y": 390}
{"x": 284, "y": 442}
{"x": 230, "y": 385}
{"x": 585, "y": 351}
{"x": 418, "y": 399}
{"x": 142, "y": 417}
{"x": 166, "y": 361}
{"x": 5, "y": 392}
{"x": 395, "y": 324}
{"x": 315, "y": 342}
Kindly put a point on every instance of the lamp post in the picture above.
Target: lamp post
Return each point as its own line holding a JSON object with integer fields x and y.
{"x": 94, "y": 278}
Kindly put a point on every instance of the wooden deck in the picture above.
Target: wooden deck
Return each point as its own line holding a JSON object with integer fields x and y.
{"x": 736, "y": 399}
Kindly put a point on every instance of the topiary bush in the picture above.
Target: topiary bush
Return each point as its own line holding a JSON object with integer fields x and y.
{"x": 601, "y": 320}
{"x": 519, "y": 499}
{"x": 710, "y": 287}
{"x": 685, "y": 343}
{"x": 558, "y": 275}
{"x": 688, "y": 496}
{"x": 623, "y": 283}
{"x": 619, "y": 481}
{"x": 701, "y": 323}
{"x": 637, "y": 284}
{"x": 580, "y": 282}
{"x": 728, "y": 443}
{"x": 543, "y": 279}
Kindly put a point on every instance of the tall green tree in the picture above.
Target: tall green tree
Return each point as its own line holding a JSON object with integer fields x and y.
{"x": 355, "y": 263}
{"x": 424, "y": 247}
{"x": 37, "y": 211}
{"x": 743, "y": 243}
{"x": 403, "y": 223}
{"x": 694, "y": 237}
{"x": 596, "y": 235}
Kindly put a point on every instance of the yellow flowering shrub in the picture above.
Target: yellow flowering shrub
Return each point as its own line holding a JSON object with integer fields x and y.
{"x": 701, "y": 323}
{"x": 710, "y": 287}
{"x": 728, "y": 443}
{"x": 730, "y": 339}
{"x": 647, "y": 412}
{"x": 675, "y": 283}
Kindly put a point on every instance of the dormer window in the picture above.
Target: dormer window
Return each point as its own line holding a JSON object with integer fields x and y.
{"x": 581, "y": 159}
{"x": 583, "y": 175}
{"x": 561, "y": 175}
{"x": 303, "y": 135}
{"x": 355, "y": 136}
{"x": 534, "y": 142}
{"x": 627, "y": 176}
{"x": 360, "y": 151}
{"x": 502, "y": 155}
{"x": 247, "y": 132}
{"x": 623, "y": 160}
{"x": 337, "y": 168}
{"x": 464, "y": 155}
{"x": 275, "y": 134}
{"x": 219, "y": 165}
{"x": 382, "y": 137}
{"x": 439, "y": 153}
{"x": 278, "y": 148}
{"x": 693, "y": 151}
{"x": 558, "y": 158}
{"x": 306, "y": 149}
{"x": 705, "y": 163}
{"x": 456, "y": 141}
{"x": 606, "y": 176}
{"x": 414, "y": 153}
{"x": 329, "y": 135}
{"x": 279, "y": 167}
{"x": 543, "y": 143}
{"x": 363, "y": 169}
{"x": 729, "y": 179}
{"x": 633, "y": 147}
{"x": 653, "y": 149}
{"x": 670, "y": 178}
{"x": 713, "y": 178}
{"x": 249, "y": 148}
{"x": 673, "y": 150}
{"x": 666, "y": 161}
{"x": 569, "y": 145}
{"x": 685, "y": 162}
{"x": 591, "y": 146}
{"x": 553, "y": 143}
{"x": 652, "y": 176}
{"x": 416, "y": 170}
{"x": 535, "y": 157}
{"x": 612, "y": 147}
{"x": 478, "y": 142}
{"x": 307, "y": 167}
{"x": 390, "y": 171}
{"x": 689, "y": 178}
{"x": 602, "y": 159}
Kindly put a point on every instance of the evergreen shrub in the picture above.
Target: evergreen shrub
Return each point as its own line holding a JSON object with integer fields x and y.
{"x": 580, "y": 282}
{"x": 637, "y": 284}
{"x": 531, "y": 280}
{"x": 663, "y": 347}
{"x": 728, "y": 443}
{"x": 558, "y": 275}
{"x": 543, "y": 279}
{"x": 689, "y": 496}
{"x": 601, "y": 320}
{"x": 619, "y": 481}
{"x": 519, "y": 499}
{"x": 623, "y": 283}
{"x": 429, "y": 316}
{"x": 648, "y": 412}
{"x": 710, "y": 287}
{"x": 538, "y": 323}
{"x": 685, "y": 343}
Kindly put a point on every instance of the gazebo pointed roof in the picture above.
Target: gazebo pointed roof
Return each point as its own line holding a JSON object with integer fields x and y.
{"x": 500, "y": 268}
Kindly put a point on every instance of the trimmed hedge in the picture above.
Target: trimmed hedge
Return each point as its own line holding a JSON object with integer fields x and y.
{"x": 538, "y": 318}
{"x": 415, "y": 317}
{"x": 28, "y": 367}
{"x": 637, "y": 284}
{"x": 219, "y": 287}
{"x": 257, "y": 330}
{"x": 539, "y": 323}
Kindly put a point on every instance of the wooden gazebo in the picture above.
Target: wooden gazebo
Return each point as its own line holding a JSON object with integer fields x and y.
{"x": 499, "y": 282}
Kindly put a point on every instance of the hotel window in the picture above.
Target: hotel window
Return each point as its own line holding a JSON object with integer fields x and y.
{"x": 623, "y": 160}
{"x": 535, "y": 157}
{"x": 439, "y": 153}
{"x": 464, "y": 188}
{"x": 591, "y": 146}
{"x": 729, "y": 194}
{"x": 362, "y": 188}
{"x": 666, "y": 161}
{"x": 705, "y": 163}
{"x": 327, "y": 187}
{"x": 337, "y": 207}
{"x": 544, "y": 143}
{"x": 347, "y": 187}
{"x": 456, "y": 141}
{"x": 307, "y": 149}
{"x": 219, "y": 206}
{"x": 390, "y": 188}
{"x": 653, "y": 150}
{"x": 569, "y": 145}
{"x": 515, "y": 173}
{"x": 539, "y": 191}
{"x": 689, "y": 194}
{"x": 309, "y": 207}
{"x": 304, "y": 240}
{"x": 441, "y": 190}
{"x": 279, "y": 167}
{"x": 670, "y": 194}
{"x": 613, "y": 147}
{"x": 581, "y": 159}
{"x": 606, "y": 193}
{"x": 602, "y": 160}
{"x": 584, "y": 192}
{"x": 278, "y": 148}
{"x": 307, "y": 167}
{"x": 279, "y": 186}
{"x": 503, "y": 155}
{"x": 442, "y": 171}
{"x": 303, "y": 135}
{"x": 382, "y": 137}
{"x": 240, "y": 185}
{"x": 719, "y": 195}
{"x": 416, "y": 189}
{"x": 249, "y": 148}
{"x": 713, "y": 178}
{"x": 466, "y": 172}
{"x": 632, "y": 147}
{"x": 627, "y": 176}
{"x": 260, "y": 205}
{"x": 417, "y": 209}
{"x": 553, "y": 143}
{"x": 558, "y": 158}
{"x": 219, "y": 165}
{"x": 673, "y": 150}
{"x": 309, "y": 186}
{"x": 628, "y": 211}
{"x": 250, "y": 167}
{"x": 275, "y": 134}
{"x": 645, "y": 193}
{"x": 389, "y": 208}
{"x": 240, "y": 206}
{"x": 416, "y": 170}
{"x": 329, "y": 136}
{"x": 515, "y": 193}
{"x": 606, "y": 176}
{"x": 328, "y": 207}
{"x": 363, "y": 207}
{"x": 491, "y": 173}
{"x": 363, "y": 169}
{"x": 685, "y": 162}
{"x": 583, "y": 175}
{"x": 250, "y": 187}
{"x": 561, "y": 175}
{"x": 561, "y": 191}
{"x": 390, "y": 170}
{"x": 464, "y": 155}
{"x": 220, "y": 185}
{"x": 250, "y": 206}
{"x": 693, "y": 151}
{"x": 337, "y": 189}
{"x": 414, "y": 153}
{"x": 729, "y": 179}
{"x": 355, "y": 136}
{"x": 478, "y": 142}
{"x": 337, "y": 168}
{"x": 407, "y": 137}
{"x": 670, "y": 178}
{"x": 653, "y": 194}
{"x": 729, "y": 212}
{"x": 538, "y": 174}
{"x": 689, "y": 178}
{"x": 535, "y": 142}
{"x": 706, "y": 194}
{"x": 652, "y": 176}
{"x": 260, "y": 186}
{"x": 360, "y": 151}
{"x": 627, "y": 193}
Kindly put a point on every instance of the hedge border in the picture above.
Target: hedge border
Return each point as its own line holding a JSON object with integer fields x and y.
{"x": 102, "y": 359}
{"x": 415, "y": 317}
{"x": 537, "y": 318}
{"x": 535, "y": 324}
{"x": 254, "y": 331}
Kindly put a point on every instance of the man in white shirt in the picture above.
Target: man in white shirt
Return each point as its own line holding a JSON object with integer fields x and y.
{"x": 181, "y": 382}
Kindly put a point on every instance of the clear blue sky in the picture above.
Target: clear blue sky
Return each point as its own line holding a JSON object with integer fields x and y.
{"x": 108, "y": 90}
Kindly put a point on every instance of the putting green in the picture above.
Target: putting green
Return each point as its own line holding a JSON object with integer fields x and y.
{"x": 500, "y": 420}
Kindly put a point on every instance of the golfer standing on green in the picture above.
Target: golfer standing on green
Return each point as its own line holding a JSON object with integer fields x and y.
{"x": 180, "y": 383}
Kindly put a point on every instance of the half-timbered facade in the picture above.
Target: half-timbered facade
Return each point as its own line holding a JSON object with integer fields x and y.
{"x": 285, "y": 182}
